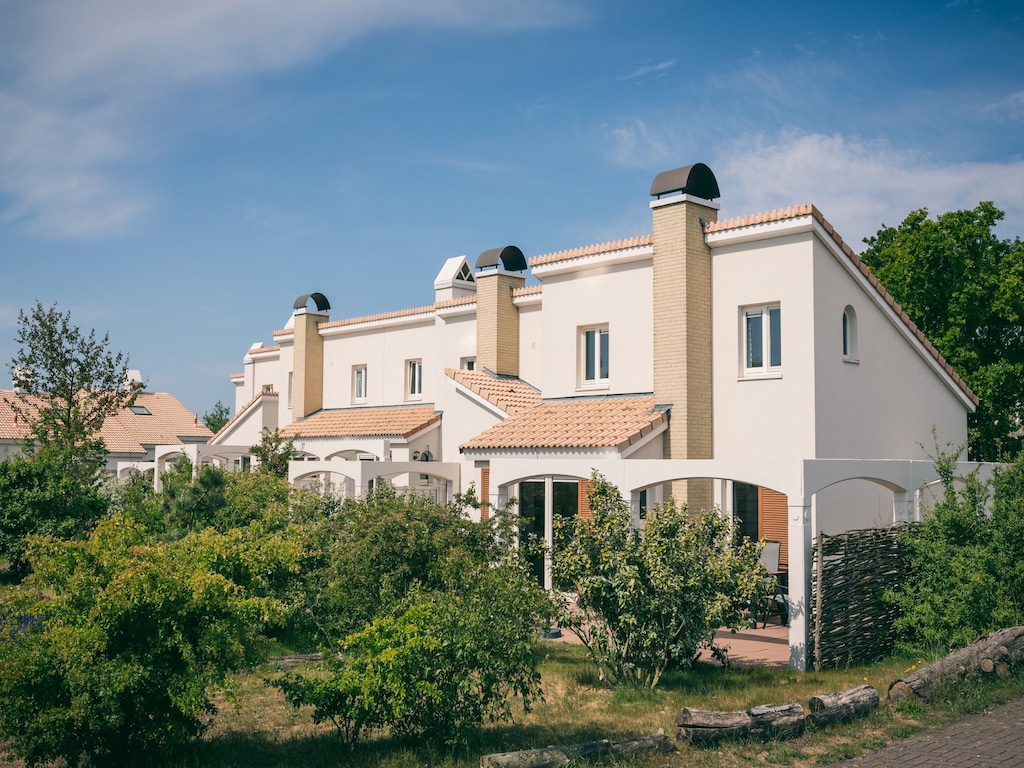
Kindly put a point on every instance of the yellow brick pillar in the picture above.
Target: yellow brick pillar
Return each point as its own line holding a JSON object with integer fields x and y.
{"x": 308, "y": 370}
{"x": 497, "y": 321}
{"x": 682, "y": 337}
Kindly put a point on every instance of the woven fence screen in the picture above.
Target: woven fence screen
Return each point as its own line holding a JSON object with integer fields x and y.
{"x": 852, "y": 623}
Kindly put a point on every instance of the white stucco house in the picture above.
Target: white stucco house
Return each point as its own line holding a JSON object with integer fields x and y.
{"x": 750, "y": 364}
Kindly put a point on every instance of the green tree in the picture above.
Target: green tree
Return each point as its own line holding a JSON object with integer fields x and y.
{"x": 217, "y": 417}
{"x": 72, "y": 380}
{"x": 964, "y": 288}
{"x": 44, "y": 493}
{"x": 651, "y": 597}
{"x": 114, "y": 645}
{"x": 273, "y": 452}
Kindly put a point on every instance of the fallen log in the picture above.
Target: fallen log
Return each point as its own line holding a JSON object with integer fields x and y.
{"x": 556, "y": 757}
{"x": 996, "y": 653}
{"x": 707, "y": 726}
{"x": 842, "y": 706}
{"x": 778, "y": 721}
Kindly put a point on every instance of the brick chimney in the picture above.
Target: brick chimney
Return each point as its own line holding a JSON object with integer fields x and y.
{"x": 497, "y": 318}
{"x": 682, "y": 320}
{"x": 308, "y": 366}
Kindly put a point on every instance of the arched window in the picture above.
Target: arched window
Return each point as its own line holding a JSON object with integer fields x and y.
{"x": 850, "y": 335}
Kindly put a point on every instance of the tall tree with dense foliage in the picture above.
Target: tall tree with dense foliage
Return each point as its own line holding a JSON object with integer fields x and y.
{"x": 651, "y": 597}
{"x": 964, "y": 288}
{"x": 75, "y": 382}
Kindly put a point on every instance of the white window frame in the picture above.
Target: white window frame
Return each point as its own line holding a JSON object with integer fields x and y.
{"x": 768, "y": 342}
{"x": 467, "y": 363}
{"x": 359, "y": 381}
{"x": 414, "y": 379}
{"x": 594, "y": 346}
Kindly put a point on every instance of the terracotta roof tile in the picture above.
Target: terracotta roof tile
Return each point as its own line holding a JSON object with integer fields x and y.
{"x": 125, "y": 432}
{"x": 394, "y": 421}
{"x": 602, "y": 422}
{"x": 379, "y": 316}
{"x": 810, "y": 210}
{"x": 531, "y": 290}
{"x": 510, "y": 394}
{"x": 592, "y": 250}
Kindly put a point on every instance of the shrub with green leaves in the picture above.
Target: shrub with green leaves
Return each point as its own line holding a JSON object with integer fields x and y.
{"x": 120, "y": 639}
{"x": 964, "y": 566}
{"x": 647, "y": 598}
{"x": 440, "y": 663}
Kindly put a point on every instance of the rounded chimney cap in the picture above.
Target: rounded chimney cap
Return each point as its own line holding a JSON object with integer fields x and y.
{"x": 511, "y": 259}
{"x": 696, "y": 180}
{"x": 322, "y": 305}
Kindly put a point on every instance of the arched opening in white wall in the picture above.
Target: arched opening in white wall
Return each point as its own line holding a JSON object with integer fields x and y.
{"x": 850, "y": 354}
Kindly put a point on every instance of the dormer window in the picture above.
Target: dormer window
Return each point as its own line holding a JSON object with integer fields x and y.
{"x": 465, "y": 273}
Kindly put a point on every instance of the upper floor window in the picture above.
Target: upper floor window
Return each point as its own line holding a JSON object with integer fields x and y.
{"x": 594, "y": 357}
{"x": 850, "y": 335}
{"x": 762, "y": 340}
{"x": 359, "y": 383}
{"x": 414, "y": 379}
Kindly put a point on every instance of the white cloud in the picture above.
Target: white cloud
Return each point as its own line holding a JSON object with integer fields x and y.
{"x": 651, "y": 69}
{"x": 860, "y": 185}
{"x": 1009, "y": 108}
{"x": 82, "y": 79}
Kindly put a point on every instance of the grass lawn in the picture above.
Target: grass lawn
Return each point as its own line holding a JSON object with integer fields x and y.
{"x": 256, "y": 727}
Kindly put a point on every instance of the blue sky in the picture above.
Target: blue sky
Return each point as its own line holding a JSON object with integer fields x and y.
{"x": 176, "y": 173}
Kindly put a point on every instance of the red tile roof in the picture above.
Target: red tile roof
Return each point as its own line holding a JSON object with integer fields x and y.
{"x": 510, "y": 394}
{"x": 602, "y": 422}
{"x": 810, "y": 210}
{"x": 394, "y": 421}
{"x": 124, "y": 432}
{"x": 592, "y": 250}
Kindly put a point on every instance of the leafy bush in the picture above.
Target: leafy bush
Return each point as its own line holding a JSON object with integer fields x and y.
{"x": 121, "y": 639}
{"x": 439, "y": 664}
{"x": 965, "y": 572}
{"x": 650, "y": 597}
{"x": 371, "y": 552}
{"x": 44, "y": 492}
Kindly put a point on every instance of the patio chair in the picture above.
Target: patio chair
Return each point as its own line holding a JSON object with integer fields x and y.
{"x": 776, "y": 596}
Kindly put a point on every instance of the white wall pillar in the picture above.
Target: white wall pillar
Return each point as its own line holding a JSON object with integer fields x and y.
{"x": 902, "y": 506}
{"x": 800, "y": 563}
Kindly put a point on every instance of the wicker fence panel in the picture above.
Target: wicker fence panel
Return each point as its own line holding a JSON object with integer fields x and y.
{"x": 852, "y": 571}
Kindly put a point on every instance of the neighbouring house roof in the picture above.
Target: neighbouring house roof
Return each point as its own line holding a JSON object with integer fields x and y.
{"x": 592, "y": 250}
{"x": 590, "y": 422}
{"x": 164, "y": 421}
{"x": 811, "y": 210}
{"x": 393, "y": 421}
{"x": 509, "y": 393}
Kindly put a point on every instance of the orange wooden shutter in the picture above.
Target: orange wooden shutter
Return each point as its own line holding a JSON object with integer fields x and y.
{"x": 485, "y": 493}
{"x": 773, "y": 519}
{"x": 584, "y": 500}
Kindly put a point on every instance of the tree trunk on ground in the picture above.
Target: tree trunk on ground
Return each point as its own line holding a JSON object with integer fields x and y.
{"x": 556, "y": 757}
{"x": 997, "y": 653}
{"x": 704, "y": 726}
{"x": 842, "y": 706}
{"x": 779, "y": 721}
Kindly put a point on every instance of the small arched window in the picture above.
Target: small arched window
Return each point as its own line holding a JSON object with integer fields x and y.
{"x": 850, "y": 335}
